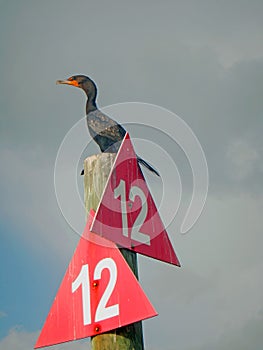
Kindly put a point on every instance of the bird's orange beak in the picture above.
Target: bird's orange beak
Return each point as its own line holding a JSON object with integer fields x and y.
{"x": 68, "y": 82}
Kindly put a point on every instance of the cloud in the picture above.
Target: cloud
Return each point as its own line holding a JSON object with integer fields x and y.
{"x": 2, "y": 314}
{"x": 243, "y": 158}
{"x": 184, "y": 73}
{"x": 20, "y": 339}
{"x": 32, "y": 203}
{"x": 218, "y": 286}
{"x": 249, "y": 336}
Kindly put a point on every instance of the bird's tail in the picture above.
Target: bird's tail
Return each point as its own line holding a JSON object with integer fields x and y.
{"x": 147, "y": 165}
{"x": 140, "y": 161}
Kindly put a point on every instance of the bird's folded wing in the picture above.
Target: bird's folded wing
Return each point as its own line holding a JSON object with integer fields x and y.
{"x": 100, "y": 124}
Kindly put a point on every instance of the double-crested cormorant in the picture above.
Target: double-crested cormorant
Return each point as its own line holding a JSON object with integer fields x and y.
{"x": 106, "y": 132}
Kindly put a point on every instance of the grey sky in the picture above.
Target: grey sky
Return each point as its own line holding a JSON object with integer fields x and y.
{"x": 203, "y": 60}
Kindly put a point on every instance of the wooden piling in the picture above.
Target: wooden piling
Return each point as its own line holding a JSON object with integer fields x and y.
{"x": 96, "y": 171}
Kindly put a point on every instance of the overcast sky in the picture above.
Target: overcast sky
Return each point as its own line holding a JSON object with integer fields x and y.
{"x": 200, "y": 59}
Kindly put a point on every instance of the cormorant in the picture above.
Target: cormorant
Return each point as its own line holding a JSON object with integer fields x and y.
{"x": 106, "y": 132}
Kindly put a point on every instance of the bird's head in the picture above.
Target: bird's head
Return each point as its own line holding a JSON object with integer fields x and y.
{"x": 82, "y": 82}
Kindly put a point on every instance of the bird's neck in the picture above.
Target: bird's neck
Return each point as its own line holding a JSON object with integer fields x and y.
{"x": 91, "y": 104}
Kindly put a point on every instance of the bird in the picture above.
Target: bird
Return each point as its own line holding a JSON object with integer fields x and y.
{"x": 105, "y": 131}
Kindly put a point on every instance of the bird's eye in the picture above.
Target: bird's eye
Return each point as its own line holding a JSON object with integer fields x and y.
{"x": 70, "y": 79}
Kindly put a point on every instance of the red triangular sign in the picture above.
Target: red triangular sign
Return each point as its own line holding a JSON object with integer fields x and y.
{"x": 99, "y": 293}
{"x": 127, "y": 214}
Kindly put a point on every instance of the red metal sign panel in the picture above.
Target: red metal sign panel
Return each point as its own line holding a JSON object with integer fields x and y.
{"x": 99, "y": 292}
{"x": 127, "y": 214}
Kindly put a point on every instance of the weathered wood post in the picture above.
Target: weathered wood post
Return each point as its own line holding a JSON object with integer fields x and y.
{"x": 96, "y": 171}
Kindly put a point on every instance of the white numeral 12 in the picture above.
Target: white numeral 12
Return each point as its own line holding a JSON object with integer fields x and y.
{"x": 120, "y": 191}
{"x": 102, "y": 311}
